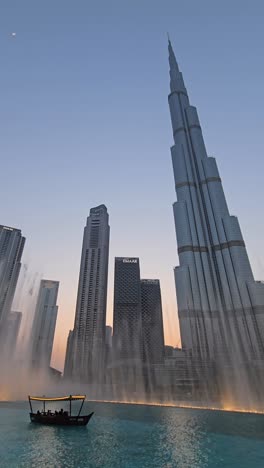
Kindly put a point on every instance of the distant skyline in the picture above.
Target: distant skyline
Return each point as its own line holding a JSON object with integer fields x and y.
{"x": 85, "y": 121}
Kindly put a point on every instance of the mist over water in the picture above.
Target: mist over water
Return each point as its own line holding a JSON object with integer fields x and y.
{"x": 237, "y": 386}
{"x": 16, "y": 374}
{"x": 25, "y": 301}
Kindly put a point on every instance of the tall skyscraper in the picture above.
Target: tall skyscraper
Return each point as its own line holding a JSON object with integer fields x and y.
{"x": 44, "y": 323}
{"x": 152, "y": 322}
{"x": 220, "y": 305}
{"x": 127, "y": 330}
{"x": 108, "y": 345}
{"x": 68, "y": 365}
{"x": 108, "y": 336}
{"x": 90, "y": 318}
{"x": 11, "y": 249}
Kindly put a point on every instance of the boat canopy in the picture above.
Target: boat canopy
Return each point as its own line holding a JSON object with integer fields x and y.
{"x": 63, "y": 398}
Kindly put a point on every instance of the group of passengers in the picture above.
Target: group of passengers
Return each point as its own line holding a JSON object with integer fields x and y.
{"x": 56, "y": 413}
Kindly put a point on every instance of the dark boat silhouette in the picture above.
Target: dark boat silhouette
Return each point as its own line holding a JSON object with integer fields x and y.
{"x": 58, "y": 418}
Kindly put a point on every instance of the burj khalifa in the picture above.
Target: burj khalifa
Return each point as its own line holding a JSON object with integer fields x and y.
{"x": 220, "y": 305}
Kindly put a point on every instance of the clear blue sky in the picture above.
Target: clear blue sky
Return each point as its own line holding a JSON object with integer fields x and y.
{"x": 85, "y": 120}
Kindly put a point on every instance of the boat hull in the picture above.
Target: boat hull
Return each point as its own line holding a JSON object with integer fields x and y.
{"x": 60, "y": 420}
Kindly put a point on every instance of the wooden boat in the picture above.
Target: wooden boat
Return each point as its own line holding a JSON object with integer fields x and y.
{"x": 58, "y": 418}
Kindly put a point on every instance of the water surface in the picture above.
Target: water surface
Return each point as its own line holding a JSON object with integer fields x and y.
{"x": 133, "y": 436}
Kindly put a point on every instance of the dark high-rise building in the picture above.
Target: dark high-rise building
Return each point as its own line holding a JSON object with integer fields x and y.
{"x": 90, "y": 318}
{"x": 108, "y": 344}
{"x": 44, "y": 323}
{"x": 108, "y": 336}
{"x": 127, "y": 330}
{"x": 68, "y": 365}
{"x": 11, "y": 249}
{"x": 152, "y": 321}
{"x": 220, "y": 305}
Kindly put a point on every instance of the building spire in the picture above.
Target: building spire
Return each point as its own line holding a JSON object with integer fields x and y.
{"x": 172, "y": 58}
{"x": 176, "y": 79}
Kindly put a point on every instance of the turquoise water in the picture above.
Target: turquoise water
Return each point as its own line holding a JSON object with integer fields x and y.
{"x": 131, "y": 436}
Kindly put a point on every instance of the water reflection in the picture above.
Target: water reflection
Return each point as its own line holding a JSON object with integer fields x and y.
{"x": 180, "y": 441}
{"x": 129, "y": 436}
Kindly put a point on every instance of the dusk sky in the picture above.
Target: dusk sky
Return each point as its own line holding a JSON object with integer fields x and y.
{"x": 85, "y": 120}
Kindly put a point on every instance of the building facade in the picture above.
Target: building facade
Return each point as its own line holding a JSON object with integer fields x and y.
{"x": 90, "y": 317}
{"x": 127, "y": 323}
{"x": 44, "y": 324}
{"x": 152, "y": 321}
{"x": 68, "y": 365}
{"x": 108, "y": 336}
{"x": 11, "y": 330}
{"x": 11, "y": 249}
{"x": 108, "y": 345}
{"x": 220, "y": 305}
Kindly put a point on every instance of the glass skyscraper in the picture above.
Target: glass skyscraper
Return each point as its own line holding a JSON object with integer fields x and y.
{"x": 90, "y": 318}
{"x": 68, "y": 365}
{"x": 127, "y": 326}
{"x": 220, "y": 305}
{"x": 11, "y": 249}
{"x": 152, "y": 322}
{"x": 44, "y": 323}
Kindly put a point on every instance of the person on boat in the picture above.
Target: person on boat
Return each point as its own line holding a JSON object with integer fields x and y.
{"x": 38, "y": 413}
